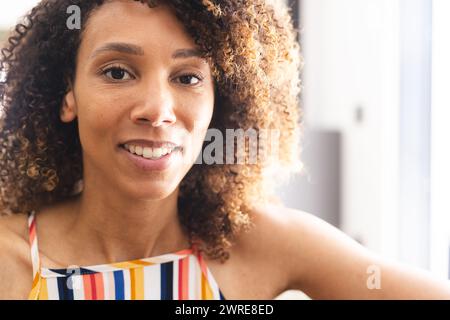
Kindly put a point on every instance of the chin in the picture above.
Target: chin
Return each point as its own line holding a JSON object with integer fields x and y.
{"x": 151, "y": 191}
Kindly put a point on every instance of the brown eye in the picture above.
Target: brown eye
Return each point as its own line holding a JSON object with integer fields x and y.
{"x": 117, "y": 74}
{"x": 188, "y": 78}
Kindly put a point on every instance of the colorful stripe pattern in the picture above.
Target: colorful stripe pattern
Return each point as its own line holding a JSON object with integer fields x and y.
{"x": 182, "y": 275}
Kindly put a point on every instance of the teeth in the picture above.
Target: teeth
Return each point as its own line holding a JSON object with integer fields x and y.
{"x": 157, "y": 152}
{"x": 149, "y": 153}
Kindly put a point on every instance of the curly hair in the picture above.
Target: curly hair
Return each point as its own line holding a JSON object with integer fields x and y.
{"x": 255, "y": 59}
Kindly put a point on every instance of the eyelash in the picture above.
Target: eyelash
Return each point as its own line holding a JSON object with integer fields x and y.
{"x": 111, "y": 68}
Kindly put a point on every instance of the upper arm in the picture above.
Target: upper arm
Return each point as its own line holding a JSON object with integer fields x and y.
{"x": 325, "y": 263}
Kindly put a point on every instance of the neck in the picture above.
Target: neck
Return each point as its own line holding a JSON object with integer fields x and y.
{"x": 120, "y": 229}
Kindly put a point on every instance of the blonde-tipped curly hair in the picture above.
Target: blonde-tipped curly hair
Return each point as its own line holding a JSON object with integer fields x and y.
{"x": 255, "y": 60}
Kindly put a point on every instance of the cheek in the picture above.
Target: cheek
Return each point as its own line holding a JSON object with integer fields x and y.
{"x": 97, "y": 114}
{"x": 196, "y": 120}
{"x": 197, "y": 114}
{"x": 198, "y": 123}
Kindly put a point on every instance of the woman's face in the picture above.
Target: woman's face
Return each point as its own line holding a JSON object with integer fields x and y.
{"x": 135, "y": 85}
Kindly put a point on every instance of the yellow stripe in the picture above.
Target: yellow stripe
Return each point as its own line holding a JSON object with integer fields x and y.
{"x": 137, "y": 284}
{"x": 43, "y": 294}
{"x": 142, "y": 263}
{"x": 206, "y": 289}
{"x": 131, "y": 264}
{"x": 34, "y": 288}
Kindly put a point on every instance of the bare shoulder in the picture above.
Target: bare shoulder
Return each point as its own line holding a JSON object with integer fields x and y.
{"x": 275, "y": 237}
{"x": 325, "y": 263}
{"x": 259, "y": 253}
{"x": 15, "y": 269}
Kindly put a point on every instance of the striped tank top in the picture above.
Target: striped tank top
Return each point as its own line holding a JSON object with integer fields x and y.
{"x": 182, "y": 275}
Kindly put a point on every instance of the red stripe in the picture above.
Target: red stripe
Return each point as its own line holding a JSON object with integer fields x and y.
{"x": 87, "y": 287}
{"x": 93, "y": 287}
{"x": 33, "y": 223}
{"x": 32, "y": 231}
{"x": 180, "y": 279}
{"x": 186, "y": 278}
{"x": 100, "y": 292}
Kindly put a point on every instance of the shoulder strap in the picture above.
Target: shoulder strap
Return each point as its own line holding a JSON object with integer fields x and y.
{"x": 198, "y": 253}
{"x": 33, "y": 243}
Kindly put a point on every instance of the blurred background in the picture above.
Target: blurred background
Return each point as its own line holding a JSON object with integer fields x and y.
{"x": 376, "y": 107}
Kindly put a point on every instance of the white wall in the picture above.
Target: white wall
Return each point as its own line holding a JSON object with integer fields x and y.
{"x": 440, "y": 151}
{"x": 10, "y": 11}
{"x": 351, "y": 50}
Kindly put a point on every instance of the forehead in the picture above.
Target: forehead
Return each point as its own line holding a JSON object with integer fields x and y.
{"x": 131, "y": 21}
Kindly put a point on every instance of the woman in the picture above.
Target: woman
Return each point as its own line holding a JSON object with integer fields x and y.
{"x": 106, "y": 108}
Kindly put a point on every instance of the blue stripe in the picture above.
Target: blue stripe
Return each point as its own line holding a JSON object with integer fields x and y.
{"x": 167, "y": 281}
{"x": 119, "y": 285}
{"x": 64, "y": 292}
{"x": 77, "y": 271}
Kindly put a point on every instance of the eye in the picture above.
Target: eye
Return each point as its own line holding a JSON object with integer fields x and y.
{"x": 117, "y": 73}
{"x": 187, "y": 79}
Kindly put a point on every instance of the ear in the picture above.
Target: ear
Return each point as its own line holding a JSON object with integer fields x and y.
{"x": 68, "y": 110}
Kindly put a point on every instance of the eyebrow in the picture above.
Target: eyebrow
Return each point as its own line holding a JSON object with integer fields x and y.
{"x": 186, "y": 53}
{"x": 127, "y": 48}
{"x": 132, "y": 49}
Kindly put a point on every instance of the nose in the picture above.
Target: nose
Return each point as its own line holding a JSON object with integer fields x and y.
{"x": 156, "y": 107}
